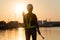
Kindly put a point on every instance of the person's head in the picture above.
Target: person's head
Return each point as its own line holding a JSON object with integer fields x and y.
{"x": 29, "y": 7}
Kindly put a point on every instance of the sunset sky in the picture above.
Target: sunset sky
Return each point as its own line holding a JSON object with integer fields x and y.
{"x": 44, "y": 9}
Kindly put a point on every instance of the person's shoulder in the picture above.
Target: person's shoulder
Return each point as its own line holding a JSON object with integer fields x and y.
{"x": 34, "y": 14}
{"x": 25, "y": 14}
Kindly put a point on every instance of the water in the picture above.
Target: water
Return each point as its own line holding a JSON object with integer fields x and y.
{"x": 19, "y": 34}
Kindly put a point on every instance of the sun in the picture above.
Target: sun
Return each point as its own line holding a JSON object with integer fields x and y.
{"x": 18, "y": 8}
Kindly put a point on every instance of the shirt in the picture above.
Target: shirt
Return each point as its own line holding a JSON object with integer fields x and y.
{"x": 30, "y": 20}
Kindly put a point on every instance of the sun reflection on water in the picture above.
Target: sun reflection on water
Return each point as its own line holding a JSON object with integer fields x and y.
{"x": 21, "y": 33}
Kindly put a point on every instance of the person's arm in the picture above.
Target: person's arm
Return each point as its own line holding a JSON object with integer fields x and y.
{"x": 36, "y": 24}
{"x": 24, "y": 19}
{"x": 38, "y": 27}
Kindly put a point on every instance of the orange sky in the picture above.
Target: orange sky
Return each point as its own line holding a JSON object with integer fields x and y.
{"x": 44, "y": 9}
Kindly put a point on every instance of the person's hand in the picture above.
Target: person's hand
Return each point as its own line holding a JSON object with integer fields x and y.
{"x": 42, "y": 37}
{"x": 23, "y": 13}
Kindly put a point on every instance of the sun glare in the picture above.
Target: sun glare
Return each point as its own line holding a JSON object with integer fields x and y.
{"x": 18, "y": 8}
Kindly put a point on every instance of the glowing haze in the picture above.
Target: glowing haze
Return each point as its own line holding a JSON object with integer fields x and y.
{"x": 44, "y": 9}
